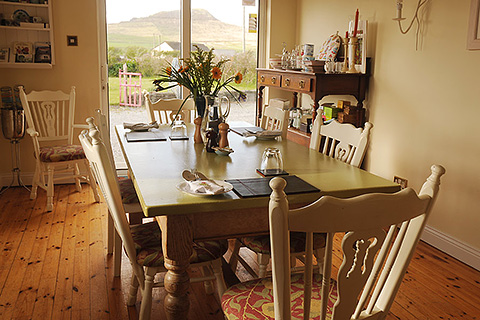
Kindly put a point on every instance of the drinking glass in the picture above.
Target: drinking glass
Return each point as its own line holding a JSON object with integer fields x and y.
{"x": 179, "y": 129}
{"x": 272, "y": 162}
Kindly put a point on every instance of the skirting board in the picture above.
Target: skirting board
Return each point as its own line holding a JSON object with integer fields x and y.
{"x": 457, "y": 249}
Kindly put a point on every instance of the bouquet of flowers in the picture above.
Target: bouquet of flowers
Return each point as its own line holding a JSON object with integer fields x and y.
{"x": 201, "y": 75}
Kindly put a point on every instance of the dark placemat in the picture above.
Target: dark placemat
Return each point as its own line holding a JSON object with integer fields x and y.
{"x": 245, "y": 130}
{"x": 258, "y": 187}
{"x": 137, "y": 136}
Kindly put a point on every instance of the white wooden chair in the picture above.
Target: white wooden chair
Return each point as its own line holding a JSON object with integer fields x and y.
{"x": 382, "y": 233}
{"x": 130, "y": 200}
{"x": 274, "y": 118}
{"x": 342, "y": 141}
{"x": 142, "y": 242}
{"x": 50, "y": 118}
{"x": 164, "y": 110}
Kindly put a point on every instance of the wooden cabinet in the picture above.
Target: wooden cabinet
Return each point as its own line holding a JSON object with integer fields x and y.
{"x": 26, "y": 26}
{"x": 316, "y": 85}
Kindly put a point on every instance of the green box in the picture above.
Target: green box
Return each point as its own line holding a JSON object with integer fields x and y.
{"x": 330, "y": 112}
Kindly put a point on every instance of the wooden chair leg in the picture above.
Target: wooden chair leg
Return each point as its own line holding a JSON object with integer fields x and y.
{"x": 208, "y": 285}
{"x": 146, "y": 306}
{"x": 50, "y": 190}
{"x": 234, "y": 257}
{"x": 132, "y": 294}
{"x": 35, "y": 181}
{"x": 263, "y": 260}
{"x": 76, "y": 171}
{"x": 217, "y": 271}
{"x": 92, "y": 182}
{"x": 117, "y": 255}
{"x": 110, "y": 234}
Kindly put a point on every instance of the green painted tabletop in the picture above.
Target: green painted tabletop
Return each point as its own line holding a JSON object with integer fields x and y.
{"x": 156, "y": 169}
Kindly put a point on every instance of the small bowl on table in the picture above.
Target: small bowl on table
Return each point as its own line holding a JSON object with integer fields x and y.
{"x": 223, "y": 151}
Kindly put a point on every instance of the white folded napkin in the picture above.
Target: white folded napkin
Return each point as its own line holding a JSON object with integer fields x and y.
{"x": 264, "y": 133}
{"x": 205, "y": 187}
{"x": 140, "y": 126}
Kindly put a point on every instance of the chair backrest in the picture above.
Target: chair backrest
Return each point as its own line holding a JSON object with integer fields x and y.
{"x": 104, "y": 173}
{"x": 274, "y": 118}
{"x": 50, "y": 113}
{"x": 164, "y": 110}
{"x": 342, "y": 141}
{"x": 374, "y": 260}
{"x": 100, "y": 123}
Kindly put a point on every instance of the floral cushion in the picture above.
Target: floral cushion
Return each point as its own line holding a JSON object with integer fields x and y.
{"x": 61, "y": 153}
{"x": 261, "y": 244}
{"x": 254, "y": 299}
{"x": 127, "y": 190}
{"x": 148, "y": 242}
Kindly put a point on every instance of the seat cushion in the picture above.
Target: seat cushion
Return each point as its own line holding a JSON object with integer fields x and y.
{"x": 127, "y": 190}
{"x": 254, "y": 299}
{"x": 261, "y": 244}
{"x": 66, "y": 152}
{"x": 148, "y": 242}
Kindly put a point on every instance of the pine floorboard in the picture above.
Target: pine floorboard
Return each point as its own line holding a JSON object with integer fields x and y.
{"x": 54, "y": 265}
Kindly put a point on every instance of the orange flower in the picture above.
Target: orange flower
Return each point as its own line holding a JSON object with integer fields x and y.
{"x": 216, "y": 73}
{"x": 185, "y": 69}
{"x": 238, "y": 78}
{"x": 169, "y": 71}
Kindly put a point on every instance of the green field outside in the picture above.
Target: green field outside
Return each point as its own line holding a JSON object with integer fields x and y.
{"x": 114, "y": 88}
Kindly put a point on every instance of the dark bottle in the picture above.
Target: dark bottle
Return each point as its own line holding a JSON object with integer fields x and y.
{"x": 211, "y": 140}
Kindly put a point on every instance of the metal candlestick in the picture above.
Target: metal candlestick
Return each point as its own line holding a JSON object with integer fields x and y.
{"x": 13, "y": 127}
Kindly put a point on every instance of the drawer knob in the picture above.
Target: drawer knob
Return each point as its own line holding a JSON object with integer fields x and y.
{"x": 301, "y": 84}
{"x": 287, "y": 82}
{"x": 274, "y": 79}
{"x": 262, "y": 78}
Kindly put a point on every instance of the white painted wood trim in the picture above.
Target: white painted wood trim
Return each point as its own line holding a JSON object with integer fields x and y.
{"x": 453, "y": 247}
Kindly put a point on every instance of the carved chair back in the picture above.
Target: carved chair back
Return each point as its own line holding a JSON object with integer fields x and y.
{"x": 341, "y": 141}
{"x": 382, "y": 231}
{"x": 164, "y": 110}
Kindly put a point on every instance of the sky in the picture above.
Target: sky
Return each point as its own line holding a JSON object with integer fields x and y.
{"x": 229, "y": 11}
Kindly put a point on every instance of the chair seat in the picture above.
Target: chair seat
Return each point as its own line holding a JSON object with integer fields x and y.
{"x": 254, "y": 299}
{"x": 148, "y": 243}
{"x": 127, "y": 190}
{"x": 261, "y": 244}
{"x": 66, "y": 152}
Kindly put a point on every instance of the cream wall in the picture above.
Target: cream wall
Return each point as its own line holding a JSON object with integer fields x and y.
{"x": 424, "y": 104}
{"x": 75, "y": 66}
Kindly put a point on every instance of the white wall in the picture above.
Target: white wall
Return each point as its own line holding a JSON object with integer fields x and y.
{"x": 424, "y": 103}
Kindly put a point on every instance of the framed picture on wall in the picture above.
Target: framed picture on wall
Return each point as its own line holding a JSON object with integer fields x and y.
{"x": 361, "y": 52}
{"x": 4, "y": 54}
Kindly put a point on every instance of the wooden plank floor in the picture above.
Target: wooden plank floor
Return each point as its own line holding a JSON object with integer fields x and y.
{"x": 54, "y": 266}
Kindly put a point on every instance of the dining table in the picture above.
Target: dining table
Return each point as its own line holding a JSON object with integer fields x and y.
{"x": 156, "y": 169}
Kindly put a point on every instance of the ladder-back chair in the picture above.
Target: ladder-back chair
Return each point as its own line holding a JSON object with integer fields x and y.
{"x": 143, "y": 242}
{"x": 50, "y": 118}
{"x": 382, "y": 231}
{"x": 274, "y": 118}
{"x": 342, "y": 141}
{"x": 164, "y": 110}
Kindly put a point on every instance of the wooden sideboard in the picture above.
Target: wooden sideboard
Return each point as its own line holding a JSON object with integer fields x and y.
{"x": 316, "y": 85}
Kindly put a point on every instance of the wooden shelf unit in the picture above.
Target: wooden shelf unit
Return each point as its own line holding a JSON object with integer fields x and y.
{"x": 11, "y": 34}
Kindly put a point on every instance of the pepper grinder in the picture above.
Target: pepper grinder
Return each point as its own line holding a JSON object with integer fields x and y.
{"x": 223, "y": 130}
{"x": 197, "y": 138}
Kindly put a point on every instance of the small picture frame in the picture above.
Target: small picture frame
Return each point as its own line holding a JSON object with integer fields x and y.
{"x": 361, "y": 52}
{"x": 4, "y": 54}
{"x": 43, "y": 52}
{"x": 23, "y": 52}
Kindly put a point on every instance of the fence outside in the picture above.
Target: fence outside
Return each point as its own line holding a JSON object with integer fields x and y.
{"x": 130, "y": 88}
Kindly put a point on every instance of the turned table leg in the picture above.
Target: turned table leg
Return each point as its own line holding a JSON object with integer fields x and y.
{"x": 177, "y": 239}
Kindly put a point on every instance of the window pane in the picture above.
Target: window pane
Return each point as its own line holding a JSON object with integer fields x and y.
{"x": 224, "y": 26}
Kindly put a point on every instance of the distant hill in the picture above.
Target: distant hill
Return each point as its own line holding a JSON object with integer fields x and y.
{"x": 165, "y": 26}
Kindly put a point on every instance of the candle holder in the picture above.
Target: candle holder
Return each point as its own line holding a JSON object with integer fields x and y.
{"x": 351, "y": 54}
{"x": 345, "y": 55}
